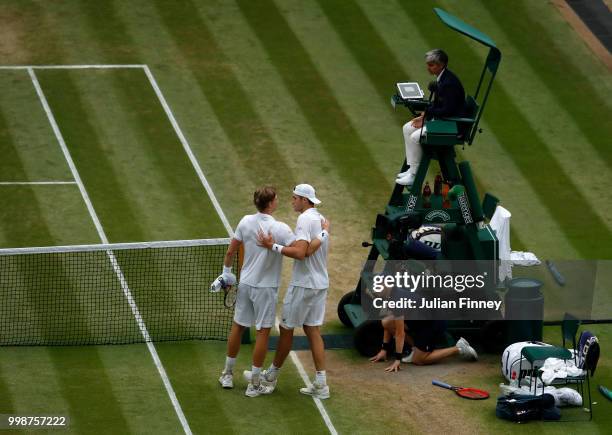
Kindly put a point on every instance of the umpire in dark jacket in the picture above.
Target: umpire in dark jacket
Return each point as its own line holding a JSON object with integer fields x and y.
{"x": 449, "y": 100}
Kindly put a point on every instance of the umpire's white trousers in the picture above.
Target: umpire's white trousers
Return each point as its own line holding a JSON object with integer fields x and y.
{"x": 414, "y": 152}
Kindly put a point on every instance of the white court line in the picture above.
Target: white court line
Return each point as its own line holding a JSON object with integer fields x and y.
{"x": 111, "y": 256}
{"x": 304, "y": 376}
{"x": 317, "y": 401}
{"x": 10, "y": 183}
{"x": 102, "y": 235}
{"x": 101, "y": 66}
{"x": 188, "y": 150}
{"x": 198, "y": 169}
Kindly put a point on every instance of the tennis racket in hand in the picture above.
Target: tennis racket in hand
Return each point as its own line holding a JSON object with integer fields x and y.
{"x": 466, "y": 393}
{"x": 229, "y": 299}
{"x": 229, "y": 289}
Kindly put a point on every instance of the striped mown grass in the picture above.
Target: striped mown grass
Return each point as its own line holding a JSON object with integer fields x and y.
{"x": 275, "y": 92}
{"x": 535, "y": 163}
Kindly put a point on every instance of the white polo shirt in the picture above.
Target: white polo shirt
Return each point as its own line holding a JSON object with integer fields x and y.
{"x": 312, "y": 271}
{"x": 261, "y": 267}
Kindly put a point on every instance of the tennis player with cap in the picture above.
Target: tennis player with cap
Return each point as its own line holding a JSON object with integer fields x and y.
{"x": 304, "y": 303}
{"x": 258, "y": 288}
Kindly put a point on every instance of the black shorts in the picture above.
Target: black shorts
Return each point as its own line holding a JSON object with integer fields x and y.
{"x": 426, "y": 334}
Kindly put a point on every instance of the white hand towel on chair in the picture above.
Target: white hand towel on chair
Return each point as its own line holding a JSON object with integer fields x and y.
{"x": 555, "y": 368}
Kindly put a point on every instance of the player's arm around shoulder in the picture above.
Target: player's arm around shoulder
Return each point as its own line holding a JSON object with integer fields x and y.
{"x": 322, "y": 233}
{"x": 303, "y": 237}
{"x": 297, "y": 250}
{"x": 284, "y": 243}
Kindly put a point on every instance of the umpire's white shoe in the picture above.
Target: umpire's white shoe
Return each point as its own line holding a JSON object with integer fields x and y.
{"x": 226, "y": 380}
{"x": 403, "y": 174}
{"x": 257, "y": 390}
{"x": 406, "y": 180}
{"x": 465, "y": 350}
{"x": 316, "y": 390}
{"x": 264, "y": 378}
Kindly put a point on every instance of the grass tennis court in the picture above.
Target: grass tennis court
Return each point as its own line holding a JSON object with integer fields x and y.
{"x": 279, "y": 92}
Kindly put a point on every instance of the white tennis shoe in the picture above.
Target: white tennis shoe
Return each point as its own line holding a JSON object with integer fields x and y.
{"x": 465, "y": 350}
{"x": 264, "y": 378}
{"x": 257, "y": 390}
{"x": 316, "y": 390}
{"x": 406, "y": 180}
{"x": 226, "y": 380}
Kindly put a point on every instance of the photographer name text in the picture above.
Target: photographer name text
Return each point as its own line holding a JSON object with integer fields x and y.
{"x": 436, "y": 303}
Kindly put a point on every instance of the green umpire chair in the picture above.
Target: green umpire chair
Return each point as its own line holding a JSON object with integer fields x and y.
{"x": 444, "y": 133}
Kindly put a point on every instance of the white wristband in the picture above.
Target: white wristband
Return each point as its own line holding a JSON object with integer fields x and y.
{"x": 323, "y": 235}
{"x": 227, "y": 269}
{"x": 277, "y": 248}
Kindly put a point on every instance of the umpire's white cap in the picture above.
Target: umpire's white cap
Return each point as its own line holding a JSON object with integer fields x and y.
{"x": 307, "y": 191}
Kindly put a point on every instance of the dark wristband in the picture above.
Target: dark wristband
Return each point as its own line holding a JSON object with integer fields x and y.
{"x": 387, "y": 347}
{"x": 397, "y": 355}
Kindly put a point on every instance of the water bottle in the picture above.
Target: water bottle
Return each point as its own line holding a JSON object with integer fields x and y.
{"x": 438, "y": 185}
{"x": 427, "y": 196}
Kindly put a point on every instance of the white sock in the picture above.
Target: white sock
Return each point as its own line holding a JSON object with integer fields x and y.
{"x": 229, "y": 364}
{"x": 320, "y": 377}
{"x": 273, "y": 372}
{"x": 255, "y": 372}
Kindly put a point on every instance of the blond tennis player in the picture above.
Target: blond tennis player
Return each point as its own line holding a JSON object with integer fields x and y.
{"x": 258, "y": 288}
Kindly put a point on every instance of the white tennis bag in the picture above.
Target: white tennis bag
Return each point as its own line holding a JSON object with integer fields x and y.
{"x": 511, "y": 360}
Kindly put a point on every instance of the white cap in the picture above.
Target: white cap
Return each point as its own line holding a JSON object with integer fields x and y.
{"x": 307, "y": 191}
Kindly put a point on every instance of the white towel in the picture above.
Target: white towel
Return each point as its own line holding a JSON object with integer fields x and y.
{"x": 500, "y": 223}
{"x": 555, "y": 368}
{"x": 519, "y": 258}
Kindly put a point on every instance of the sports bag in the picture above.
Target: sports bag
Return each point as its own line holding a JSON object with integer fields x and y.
{"x": 512, "y": 360}
{"x": 588, "y": 351}
{"x": 525, "y": 407}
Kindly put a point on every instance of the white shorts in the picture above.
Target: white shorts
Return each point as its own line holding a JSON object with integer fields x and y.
{"x": 255, "y": 306}
{"x": 303, "y": 306}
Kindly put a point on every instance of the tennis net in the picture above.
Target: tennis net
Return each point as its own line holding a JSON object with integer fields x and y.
{"x": 112, "y": 294}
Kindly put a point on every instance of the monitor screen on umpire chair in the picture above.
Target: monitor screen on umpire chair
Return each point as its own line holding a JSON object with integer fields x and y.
{"x": 410, "y": 91}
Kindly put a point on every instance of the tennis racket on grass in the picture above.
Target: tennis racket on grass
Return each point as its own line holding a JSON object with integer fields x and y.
{"x": 466, "y": 393}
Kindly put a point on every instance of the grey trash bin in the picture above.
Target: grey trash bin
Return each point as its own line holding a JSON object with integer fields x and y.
{"x": 524, "y": 303}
